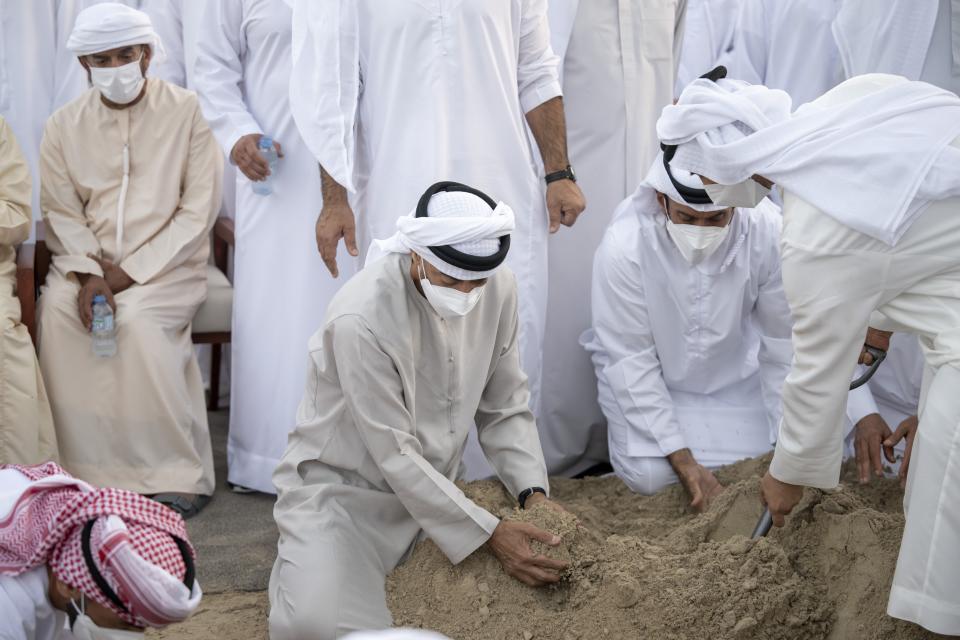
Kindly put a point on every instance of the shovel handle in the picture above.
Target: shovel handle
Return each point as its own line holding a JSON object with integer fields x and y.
{"x": 878, "y": 357}
{"x": 763, "y": 525}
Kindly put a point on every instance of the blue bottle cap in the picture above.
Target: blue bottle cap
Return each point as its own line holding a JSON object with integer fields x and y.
{"x": 99, "y": 299}
{"x": 266, "y": 142}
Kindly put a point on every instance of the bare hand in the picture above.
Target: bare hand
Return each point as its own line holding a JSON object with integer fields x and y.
{"x": 699, "y": 482}
{"x": 90, "y": 287}
{"x": 871, "y": 432}
{"x": 878, "y": 340}
{"x": 117, "y": 279}
{"x": 907, "y": 430}
{"x": 510, "y": 543}
{"x": 335, "y": 222}
{"x": 246, "y": 155}
{"x": 565, "y": 202}
{"x": 779, "y": 497}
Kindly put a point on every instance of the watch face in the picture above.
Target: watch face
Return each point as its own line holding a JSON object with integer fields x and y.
{"x": 573, "y": 176}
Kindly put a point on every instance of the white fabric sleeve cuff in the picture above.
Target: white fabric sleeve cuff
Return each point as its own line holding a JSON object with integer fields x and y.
{"x": 534, "y": 96}
{"x": 672, "y": 444}
{"x": 822, "y": 473}
{"x": 860, "y": 403}
{"x": 487, "y": 523}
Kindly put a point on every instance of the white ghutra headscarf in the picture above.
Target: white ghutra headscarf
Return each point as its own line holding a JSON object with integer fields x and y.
{"x": 111, "y": 25}
{"x": 456, "y": 219}
{"x": 872, "y": 153}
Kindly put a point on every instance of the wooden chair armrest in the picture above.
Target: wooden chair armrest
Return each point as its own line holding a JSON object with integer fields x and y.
{"x": 223, "y": 229}
{"x": 223, "y": 240}
{"x": 27, "y": 287}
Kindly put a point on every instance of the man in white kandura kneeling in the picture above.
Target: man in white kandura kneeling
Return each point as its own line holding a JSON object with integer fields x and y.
{"x": 415, "y": 350}
{"x": 690, "y": 335}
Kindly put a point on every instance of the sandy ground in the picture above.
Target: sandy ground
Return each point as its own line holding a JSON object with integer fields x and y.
{"x": 236, "y": 542}
{"x": 640, "y": 568}
{"x": 645, "y": 567}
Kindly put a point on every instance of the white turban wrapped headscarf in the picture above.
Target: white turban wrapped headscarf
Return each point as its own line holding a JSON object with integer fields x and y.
{"x": 111, "y": 25}
{"x": 457, "y": 219}
{"x": 871, "y": 153}
{"x": 658, "y": 180}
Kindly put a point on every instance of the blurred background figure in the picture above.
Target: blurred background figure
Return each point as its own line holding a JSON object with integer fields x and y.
{"x": 619, "y": 68}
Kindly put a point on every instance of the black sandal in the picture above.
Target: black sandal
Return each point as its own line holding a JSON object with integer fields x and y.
{"x": 186, "y": 507}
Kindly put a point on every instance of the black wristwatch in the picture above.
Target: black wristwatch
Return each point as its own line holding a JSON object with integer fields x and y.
{"x": 526, "y": 493}
{"x": 566, "y": 174}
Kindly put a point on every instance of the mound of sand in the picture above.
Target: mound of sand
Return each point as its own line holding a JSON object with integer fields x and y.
{"x": 647, "y": 567}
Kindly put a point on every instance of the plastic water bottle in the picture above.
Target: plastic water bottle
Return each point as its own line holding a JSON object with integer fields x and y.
{"x": 103, "y": 330}
{"x": 269, "y": 153}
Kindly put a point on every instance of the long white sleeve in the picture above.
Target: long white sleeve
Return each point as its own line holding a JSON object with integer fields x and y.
{"x": 631, "y": 365}
{"x": 538, "y": 73}
{"x": 860, "y": 402}
{"x": 218, "y": 73}
{"x": 772, "y": 314}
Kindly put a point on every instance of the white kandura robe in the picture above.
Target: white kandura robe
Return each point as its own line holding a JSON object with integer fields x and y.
{"x": 281, "y": 287}
{"x": 36, "y": 71}
{"x": 788, "y": 45}
{"x": 618, "y": 74}
{"x": 392, "y": 392}
{"x": 137, "y": 420}
{"x": 412, "y": 92}
{"x": 837, "y": 279}
{"x": 707, "y": 36}
{"x": 26, "y": 425}
{"x": 688, "y": 356}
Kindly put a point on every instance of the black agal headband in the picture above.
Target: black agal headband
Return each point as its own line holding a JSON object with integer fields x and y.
{"x": 450, "y": 255}
{"x": 691, "y": 195}
{"x": 104, "y": 586}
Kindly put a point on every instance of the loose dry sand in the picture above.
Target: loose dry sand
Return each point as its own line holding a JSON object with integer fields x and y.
{"x": 647, "y": 567}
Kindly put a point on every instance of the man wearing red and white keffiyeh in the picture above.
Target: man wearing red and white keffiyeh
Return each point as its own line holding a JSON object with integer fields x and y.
{"x": 113, "y": 561}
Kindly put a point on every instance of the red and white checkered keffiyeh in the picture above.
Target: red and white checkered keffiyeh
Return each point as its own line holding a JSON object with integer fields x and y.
{"x": 131, "y": 542}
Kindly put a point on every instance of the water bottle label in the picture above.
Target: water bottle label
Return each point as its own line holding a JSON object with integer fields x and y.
{"x": 103, "y": 324}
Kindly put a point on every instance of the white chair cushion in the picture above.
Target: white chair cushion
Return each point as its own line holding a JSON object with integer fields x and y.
{"x": 216, "y": 313}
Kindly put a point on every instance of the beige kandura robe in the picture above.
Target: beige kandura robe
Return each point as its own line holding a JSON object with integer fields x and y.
{"x": 26, "y": 426}
{"x": 137, "y": 420}
{"x": 392, "y": 392}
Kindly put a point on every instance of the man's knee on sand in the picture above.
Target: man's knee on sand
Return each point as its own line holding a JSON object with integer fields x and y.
{"x": 644, "y": 475}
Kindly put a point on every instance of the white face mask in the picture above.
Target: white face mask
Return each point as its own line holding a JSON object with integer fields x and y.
{"x": 83, "y": 628}
{"x": 447, "y": 302}
{"x": 694, "y": 242}
{"x": 747, "y": 194}
{"x": 120, "y": 85}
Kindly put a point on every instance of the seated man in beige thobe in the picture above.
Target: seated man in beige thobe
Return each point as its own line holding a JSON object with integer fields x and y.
{"x": 415, "y": 350}
{"x": 26, "y": 426}
{"x": 131, "y": 178}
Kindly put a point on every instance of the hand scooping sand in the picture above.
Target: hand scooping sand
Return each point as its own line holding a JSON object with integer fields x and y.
{"x": 511, "y": 544}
